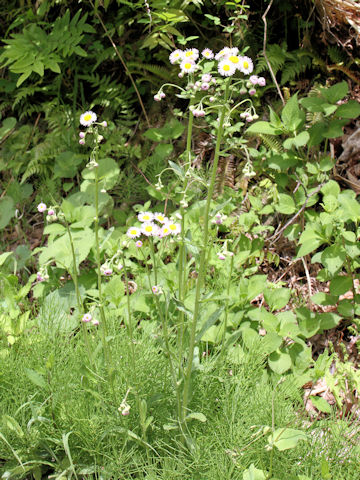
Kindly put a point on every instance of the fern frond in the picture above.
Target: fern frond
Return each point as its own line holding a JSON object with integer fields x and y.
{"x": 158, "y": 71}
{"x": 276, "y": 55}
{"x": 273, "y": 143}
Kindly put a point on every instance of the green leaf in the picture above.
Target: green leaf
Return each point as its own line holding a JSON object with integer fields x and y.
{"x": 336, "y": 92}
{"x": 351, "y": 109}
{"x": 7, "y": 211}
{"x": 301, "y": 139}
{"x": 253, "y": 473}
{"x": 320, "y": 403}
{"x": 327, "y": 320}
{"x": 23, "y": 77}
{"x": 279, "y": 362}
{"x": 286, "y": 438}
{"x": 12, "y": 424}
{"x": 264, "y": 127}
{"x": 322, "y": 298}
{"x": 114, "y": 290}
{"x": 35, "y": 377}
{"x": 210, "y": 322}
{"x": 197, "y": 416}
{"x": 4, "y": 256}
{"x": 340, "y": 285}
{"x": 334, "y": 129}
{"x": 333, "y": 258}
{"x": 291, "y": 115}
{"x": 277, "y": 298}
{"x": 286, "y": 204}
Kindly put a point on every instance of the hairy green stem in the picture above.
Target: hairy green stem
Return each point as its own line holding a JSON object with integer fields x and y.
{"x": 74, "y": 276}
{"x": 104, "y": 329}
{"x": 202, "y": 265}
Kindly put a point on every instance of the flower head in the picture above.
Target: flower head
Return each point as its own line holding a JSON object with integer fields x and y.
{"x": 174, "y": 228}
{"x": 221, "y": 256}
{"x": 191, "y": 54}
{"x": 87, "y": 317}
{"x": 160, "y": 217}
{"x": 188, "y": 66}
{"x": 223, "y": 53}
{"x": 176, "y": 56}
{"x": 133, "y": 232}
{"x": 41, "y": 207}
{"x": 206, "y": 77}
{"x": 254, "y": 79}
{"x": 226, "y": 68}
{"x": 139, "y": 244}
{"x": 82, "y": 134}
{"x": 145, "y": 216}
{"x": 149, "y": 229}
{"x": 246, "y": 65}
{"x": 235, "y": 59}
{"x": 88, "y": 118}
{"x": 106, "y": 270}
{"x": 95, "y": 321}
{"x": 207, "y": 53}
{"x": 156, "y": 290}
{"x": 261, "y": 81}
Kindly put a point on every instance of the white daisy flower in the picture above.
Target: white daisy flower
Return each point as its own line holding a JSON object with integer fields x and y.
{"x": 149, "y": 229}
{"x": 223, "y": 53}
{"x": 139, "y": 244}
{"x": 234, "y": 51}
{"x": 235, "y": 59}
{"x": 165, "y": 231}
{"x": 174, "y": 228}
{"x": 133, "y": 232}
{"x": 145, "y": 216}
{"x": 41, "y": 207}
{"x": 226, "y": 68}
{"x": 254, "y": 79}
{"x": 156, "y": 290}
{"x": 176, "y": 56}
{"x": 207, "y": 53}
{"x": 246, "y": 65}
{"x": 160, "y": 217}
{"x": 191, "y": 54}
{"x": 88, "y": 118}
{"x": 188, "y": 66}
{"x": 261, "y": 81}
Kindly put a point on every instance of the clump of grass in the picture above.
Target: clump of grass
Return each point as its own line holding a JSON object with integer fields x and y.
{"x": 62, "y": 418}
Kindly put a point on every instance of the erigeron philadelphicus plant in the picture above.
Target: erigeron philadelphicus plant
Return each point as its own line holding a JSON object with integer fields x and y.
{"x": 222, "y": 84}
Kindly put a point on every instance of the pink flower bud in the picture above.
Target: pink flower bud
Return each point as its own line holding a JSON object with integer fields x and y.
{"x": 82, "y": 134}
{"x": 82, "y": 141}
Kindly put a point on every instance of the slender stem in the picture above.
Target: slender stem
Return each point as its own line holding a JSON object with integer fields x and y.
{"x": 227, "y": 306}
{"x": 202, "y": 266}
{"x": 104, "y": 329}
{"x": 74, "y": 276}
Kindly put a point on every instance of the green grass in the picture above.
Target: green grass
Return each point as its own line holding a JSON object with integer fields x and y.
{"x": 65, "y": 417}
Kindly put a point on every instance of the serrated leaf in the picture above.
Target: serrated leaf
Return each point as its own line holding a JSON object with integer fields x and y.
{"x": 35, "y": 377}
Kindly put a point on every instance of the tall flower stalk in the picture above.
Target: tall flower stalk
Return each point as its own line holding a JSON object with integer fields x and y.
{"x": 202, "y": 265}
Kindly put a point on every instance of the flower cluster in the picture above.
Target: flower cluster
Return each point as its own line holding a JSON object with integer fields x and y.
{"x": 51, "y": 214}
{"x": 229, "y": 61}
{"x": 149, "y": 228}
{"x": 42, "y": 275}
{"x": 86, "y": 120}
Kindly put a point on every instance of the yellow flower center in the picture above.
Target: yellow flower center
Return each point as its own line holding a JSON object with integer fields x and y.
{"x": 87, "y": 117}
{"x": 187, "y": 66}
{"x": 146, "y": 217}
{"x": 189, "y": 54}
{"x": 172, "y": 227}
{"x": 133, "y": 232}
{"x": 234, "y": 59}
{"x": 149, "y": 228}
{"x": 160, "y": 217}
{"x": 246, "y": 64}
{"x": 226, "y": 68}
